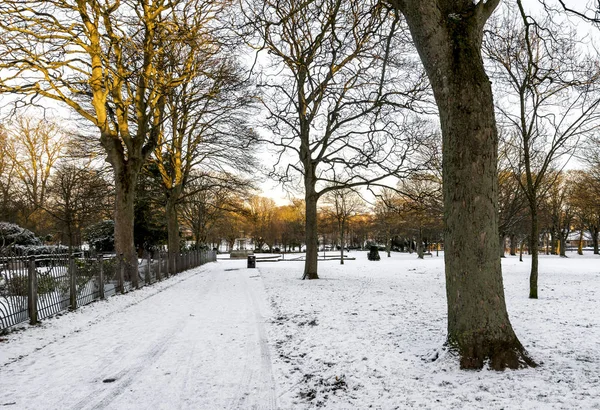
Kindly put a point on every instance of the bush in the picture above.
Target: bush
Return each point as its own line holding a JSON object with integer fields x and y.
{"x": 40, "y": 250}
{"x": 17, "y": 285}
{"x": 101, "y": 236}
{"x": 46, "y": 284}
{"x": 89, "y": 269}
{"x": 12, "y": 234}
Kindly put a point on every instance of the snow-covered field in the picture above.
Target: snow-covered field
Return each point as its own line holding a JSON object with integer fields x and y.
{"x": 363, "y": 336}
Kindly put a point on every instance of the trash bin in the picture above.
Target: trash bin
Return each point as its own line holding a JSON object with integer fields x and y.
{"x": 251, "y": 261}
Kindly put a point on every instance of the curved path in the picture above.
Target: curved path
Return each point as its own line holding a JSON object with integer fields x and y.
{"x": 198, "y": 344}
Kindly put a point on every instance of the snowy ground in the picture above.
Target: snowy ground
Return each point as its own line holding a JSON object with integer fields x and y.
{"x": 364, "y": 336}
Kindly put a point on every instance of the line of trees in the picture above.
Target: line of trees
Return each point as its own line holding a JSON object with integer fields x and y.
{"x": 349, "y": 89}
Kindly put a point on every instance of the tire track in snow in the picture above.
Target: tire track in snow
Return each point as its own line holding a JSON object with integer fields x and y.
{"x": 154, "y": 292}
{"x": 266, "y": 369}
{"x": 263, "y": 383}
{"x": 364, "y": 284}
{"x": 125, "y": 377}
{"x": 102, "y": 397}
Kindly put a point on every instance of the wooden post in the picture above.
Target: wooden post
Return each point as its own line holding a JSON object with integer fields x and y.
{"x": 121, "y": 274}
{"x": 101, "y": 276}
{"x": 158, "y": 278}
{"x": 73, "y": 283}
{"x": 169, "y": 262}
{"x": 148, "y": 272}
{"x": 32, "y": 293}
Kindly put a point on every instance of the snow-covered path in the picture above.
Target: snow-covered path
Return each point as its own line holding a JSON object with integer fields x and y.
{"x": 195, "y": 342}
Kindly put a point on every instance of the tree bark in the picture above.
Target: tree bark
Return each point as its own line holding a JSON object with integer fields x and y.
{"x": 124, "y": 221}
{"x": 172, "y": 230}
{"x": 513, "y": 244}
{"x": 594, "y": 232}
{"x": 534, "y": 252}
{"x": 501, "y": 243}
{"x": 312, "y": 237}
{"x": 521, "y": 251}
{"x": 342, "y": 242}
{"x": 420, "y": 253}
{"x": 580, "y": 246}
{"x": 563, "y": 245}
{"x": 553, "y": 242}
{"x": 448, "y": 38}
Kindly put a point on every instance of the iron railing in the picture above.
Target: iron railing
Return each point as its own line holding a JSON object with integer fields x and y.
{"x": 36, "y": 287}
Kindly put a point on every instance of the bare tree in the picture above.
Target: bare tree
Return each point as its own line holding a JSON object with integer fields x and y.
{"x": 448, "y": 36}
{"x": 512, "y": 204}
{"x": 209, "y": 203}
{"x": 416, "y": 207}
{"x": 34, "y": 148}
{"x": 260, "y": 214}
{"x": 342, "y": 205}
{"x": 291, "y": 224}
{"x": 329, "y": 97}
{"x": 420, "y": 206}
{"x": 591, "y": 184}
{"x": 539, "y": 64}
{"x": 560, "y": 208}
{"x": 205, "y": 115}
{"x": 386, "y": 217}
{"x": 103, "y": 61}
{"x": 79, "y": 196}
{"x": 7, "y": 179}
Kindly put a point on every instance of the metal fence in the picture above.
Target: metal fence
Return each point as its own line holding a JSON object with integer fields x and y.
{"x": 33, "y": 288}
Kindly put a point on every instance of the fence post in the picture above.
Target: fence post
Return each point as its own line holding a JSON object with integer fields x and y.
{"x": 148, "y": 272}
{"x": 134, "y": 274}
{"x": 32, "y": 293}
{"x": 159, "y": 263}
{"x": 100, "y": 276}
{"x": 168, "y": 263}
{"x": 73, "y": 283}
{"x": 121, "y": 274}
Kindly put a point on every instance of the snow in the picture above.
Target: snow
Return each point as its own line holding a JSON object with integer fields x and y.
{"x": 366, "y": 335}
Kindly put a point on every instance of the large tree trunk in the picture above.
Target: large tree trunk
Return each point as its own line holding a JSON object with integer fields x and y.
{"x": 513, "y": 244}
{"x": 563, "y": 244}
{"x": 448, "y": 38}
{"x": 594, "y": 231}
{"x": 534, "y": 251}
{"x": 312, "y": 237}
{"x": 172, "y": 230}
{"x": 124, "y": 221}
{"x": 420, "y": 253}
